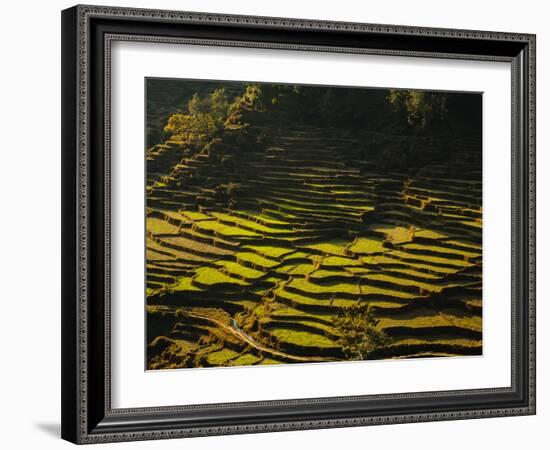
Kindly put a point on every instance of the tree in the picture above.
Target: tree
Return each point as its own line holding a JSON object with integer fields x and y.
{"x": 359, "y": 332}
{"x": 421, "y": 107}
{"x": 206, "y": 117}
{"x": 203, "y": 121}
{"x": 254, "y": 98}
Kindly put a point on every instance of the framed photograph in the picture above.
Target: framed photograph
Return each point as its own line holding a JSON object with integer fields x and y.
{"x": 281, "y": 224}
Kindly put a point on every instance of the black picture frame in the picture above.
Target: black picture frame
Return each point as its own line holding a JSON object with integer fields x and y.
{"x": 87, "y": 416}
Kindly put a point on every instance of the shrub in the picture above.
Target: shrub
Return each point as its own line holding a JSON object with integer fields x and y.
{"x": 228, "y": 193}
{"x": 203, "y": 121}
{"x": 359, "y": 332}
{"x": 422, "y": 108}
{"x": 253, "y": 99}
{"x": 207, "y": 117}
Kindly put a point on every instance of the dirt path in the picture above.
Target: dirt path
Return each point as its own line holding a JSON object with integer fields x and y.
{"x": 240, "y": 334}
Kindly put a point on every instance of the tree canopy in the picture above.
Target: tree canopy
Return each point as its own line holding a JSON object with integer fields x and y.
{"x": 359, "y": 332}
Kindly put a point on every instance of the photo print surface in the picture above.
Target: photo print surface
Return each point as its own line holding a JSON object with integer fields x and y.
{"x": 305, "y": 224}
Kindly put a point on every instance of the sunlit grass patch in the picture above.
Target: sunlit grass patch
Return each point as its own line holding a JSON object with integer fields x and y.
{"x": 195, "y": 215}
{"x": 473, "y": 303}
{"x": 296, "y": 255}
{"x": 245, "y": 360}
{"x": 287, "y": 311}
{"x": 159, "y": 226}
{"x": 359, "y": 208}
{"x": 386, "y": 305}
{"x": 256, "y": 259}
{"x": 340, "y": 261}
{"x": 358, "y": 270}
{"x": 209, "y": 276}
{"x": 238, "y": 270}
{"x": 397, "y": 235}
{"x": 249, "y": 224}
{"x": 306, "y": 286}
{"x": 310, "y": 325}
{"x": 429, "y": 234}
{"x": 269, "y": 250}
{"x": 221, "y": 357}
{"x": 284, "y": 214}
{"x": 179, "y": 253}
{"x": 377, "y": 260}
{"x": 335, "y": 247}
{"x": 396, "y": 293}
{"x": 176, "y": 216}
{"x": 185, "y": 284}
{"x": 153, "y": 245}
{"x": 185, "y": 244}
{"x": 296, "y": 269}
{"x": 472, "y": 224}
{"x": 153, "y": 255}
{"x": 272, "y": 279}
{"x": 322, "y": 273}
{"x": 289, "y": 238}
{"x": 208, "y": 237}
{"x": 367, "y": 245}
{"x": 269, "y": 361}
{"x": 226, "y": 230}
{"x": 303, "y": 299}
{"x": 302, "y": 338}
{"x": 474, "y": 247}
{"x": 265, "y": 218}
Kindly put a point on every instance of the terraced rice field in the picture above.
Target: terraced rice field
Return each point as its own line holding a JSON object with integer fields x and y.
{"x": 316, "y": 229}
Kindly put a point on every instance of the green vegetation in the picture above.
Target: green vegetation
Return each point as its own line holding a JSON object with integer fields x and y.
{"x": 195, "y": 215}
{"x": 334, "y": 247}
{"x": 238, "y": 270}
{"x": 359, "y": 332}
{"x": 422, "y": 107}
{"x": 245, "y": 360}
{"x": 340, "y": 262}
{"x": 226, "y": 230}
{"x": 256, "y": 259}
{"x": 248, "y": 224}
{"x": 210, "y": 277}
{"x": 305, "y": 224}
{"x": 185, "y": 284}
{"x": 297, "y": 269}
{"x": 329, "y": 288}
{"x": 204, "y": 119}
{"x": 302, "y": 338}
{"x": 367, "y": 246}
{"x": 221, "y": 357}
{"x": 269, "y": 251}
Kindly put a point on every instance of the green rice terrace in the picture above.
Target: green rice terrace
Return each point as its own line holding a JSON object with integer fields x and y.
{"x": 275, "y": 235}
